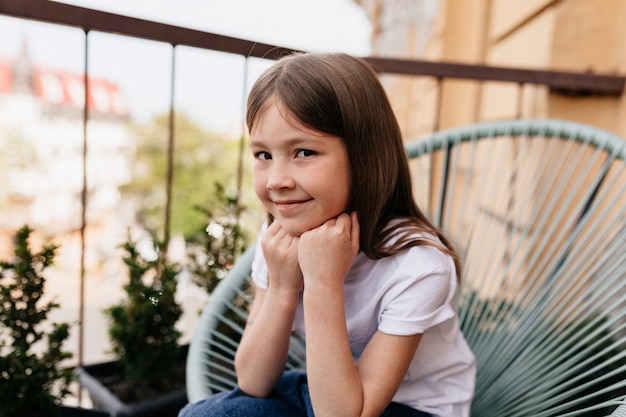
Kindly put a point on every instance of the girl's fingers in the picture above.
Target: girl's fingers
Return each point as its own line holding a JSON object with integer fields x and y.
{"x": 356, "y": 230}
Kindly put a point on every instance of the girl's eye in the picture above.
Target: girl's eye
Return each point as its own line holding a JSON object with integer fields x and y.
{"x": 263, "y": 156}
{"x": 303, "y": 153}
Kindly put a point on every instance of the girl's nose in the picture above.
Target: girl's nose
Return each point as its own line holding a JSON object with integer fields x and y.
{"x": 280, "y": 178}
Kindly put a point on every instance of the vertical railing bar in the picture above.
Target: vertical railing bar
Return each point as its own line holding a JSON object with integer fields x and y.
{"x": 436, "y": 211}
{"x": 478, "y": 101}
{"x": 520, "y": 100}
{"x": 438, "y": 105}
{"x": 170, "y": 157}
{"x": 83, "y": 214}
{"x": 444, "y": 186}
{"x": 242, "y": 139}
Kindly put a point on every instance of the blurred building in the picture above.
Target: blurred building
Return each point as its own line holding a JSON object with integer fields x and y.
{"x": 41, "y": 156}
{"x": 563, "y": 35}
{"x": 42, "y": 131}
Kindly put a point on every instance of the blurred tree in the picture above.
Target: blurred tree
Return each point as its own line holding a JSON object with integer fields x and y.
{"x": 18, "y": 159}
{"x": 201, "y": 159}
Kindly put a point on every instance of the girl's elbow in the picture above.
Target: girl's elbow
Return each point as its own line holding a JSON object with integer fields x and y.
{"x": 253, "y": 388}
{"x": 251, "y": 384}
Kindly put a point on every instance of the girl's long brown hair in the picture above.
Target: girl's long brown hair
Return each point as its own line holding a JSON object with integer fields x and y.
{"x": 341, "y": 95}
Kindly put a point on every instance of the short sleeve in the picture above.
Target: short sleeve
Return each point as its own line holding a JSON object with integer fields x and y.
{"x": 422, "y": 295}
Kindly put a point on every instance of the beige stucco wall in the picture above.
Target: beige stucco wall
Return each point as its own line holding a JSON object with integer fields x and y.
{"x": 569, "y": 35}
{"x": 590, "y": 35}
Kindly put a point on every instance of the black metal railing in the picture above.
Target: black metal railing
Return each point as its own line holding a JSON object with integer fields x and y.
{"x": 94, "y": 20}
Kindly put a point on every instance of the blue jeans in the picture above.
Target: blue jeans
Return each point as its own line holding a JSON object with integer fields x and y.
{"x": 289, "y": 399}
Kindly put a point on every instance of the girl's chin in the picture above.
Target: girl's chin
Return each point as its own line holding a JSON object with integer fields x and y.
{"x": 296, "y": 230}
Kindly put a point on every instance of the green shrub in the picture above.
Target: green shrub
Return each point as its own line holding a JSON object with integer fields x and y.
{"x": 213, "y": 250}
{"x": 142, "y": 327}
{"x": 32, "y": 382}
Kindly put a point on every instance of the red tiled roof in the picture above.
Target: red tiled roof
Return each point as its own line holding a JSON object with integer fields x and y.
{"x": 67, "y": 89}
{"x": 6, "y": 77}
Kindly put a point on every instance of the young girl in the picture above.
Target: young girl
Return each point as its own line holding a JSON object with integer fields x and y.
{"x": 347, "y": 258}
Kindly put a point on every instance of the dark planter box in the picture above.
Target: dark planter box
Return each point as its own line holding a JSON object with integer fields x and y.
{"x": 67, "y": 411}
{"x": 166, "y": 405}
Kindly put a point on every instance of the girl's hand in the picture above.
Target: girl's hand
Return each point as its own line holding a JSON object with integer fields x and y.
{"x": 281, "y": 255}
{"x": 327, "y": 252}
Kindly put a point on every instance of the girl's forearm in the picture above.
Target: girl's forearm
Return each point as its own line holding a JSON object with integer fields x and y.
{"x": 334, "y": 382}
{"x": 262, "y": 353}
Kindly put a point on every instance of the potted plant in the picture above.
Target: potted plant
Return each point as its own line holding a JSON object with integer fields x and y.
{"x": 213, "y": 250}
{"x": 147, "y": 377}
{"x": 31, "y": 351}
{"x": 142, "y": 327}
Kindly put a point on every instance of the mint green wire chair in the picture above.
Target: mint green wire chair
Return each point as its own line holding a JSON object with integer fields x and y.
{"x": 537, "y": 212}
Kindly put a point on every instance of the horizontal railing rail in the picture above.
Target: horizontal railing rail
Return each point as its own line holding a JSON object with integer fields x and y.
{"x": 563, "y": 81}
{"x": 88, "y": 20}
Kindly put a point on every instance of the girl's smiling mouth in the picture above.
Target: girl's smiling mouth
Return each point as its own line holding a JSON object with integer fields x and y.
{"x": 286, "y": 206}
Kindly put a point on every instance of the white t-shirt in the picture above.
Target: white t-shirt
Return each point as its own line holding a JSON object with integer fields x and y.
{"x": 408, "y": 293}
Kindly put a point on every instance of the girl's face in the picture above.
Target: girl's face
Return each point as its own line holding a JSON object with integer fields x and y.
{"x": 301, "y": 176}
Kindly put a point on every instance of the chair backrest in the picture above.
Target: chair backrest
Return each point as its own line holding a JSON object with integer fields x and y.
{"x": 537, "y": 211}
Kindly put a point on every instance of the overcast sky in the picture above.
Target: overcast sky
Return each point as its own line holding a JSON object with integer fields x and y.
{"x": 209, "y": 86}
